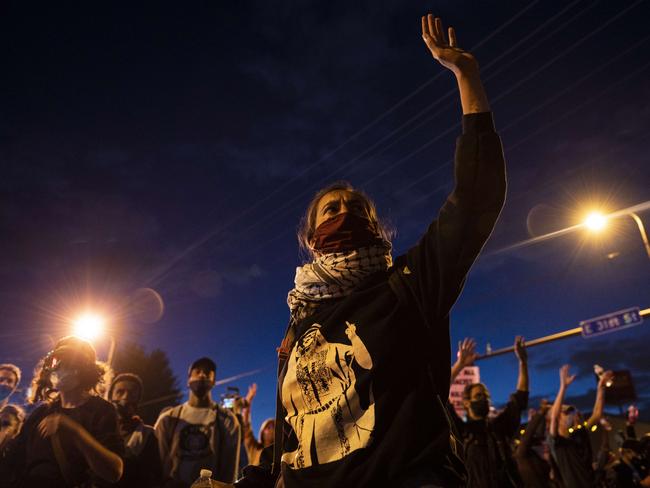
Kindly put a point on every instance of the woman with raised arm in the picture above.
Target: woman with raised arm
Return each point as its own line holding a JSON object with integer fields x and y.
{"x": 364, "y": 366}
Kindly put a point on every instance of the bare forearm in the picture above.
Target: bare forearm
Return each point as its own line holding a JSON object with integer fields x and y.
{"x": 472, "y": 94}
{"x": 556, "y": 409}
{"x": 456, "y": 368}
{"x": 522, "y": 380}
{"x": 102, "y": 462}
{"x": 598, "y": 407}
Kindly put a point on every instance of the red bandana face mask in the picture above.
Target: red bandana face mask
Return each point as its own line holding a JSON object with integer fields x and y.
{"x": 343, "y": 233}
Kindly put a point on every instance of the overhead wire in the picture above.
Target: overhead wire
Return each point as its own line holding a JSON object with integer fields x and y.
{"x": 281, "y": 188}
{"x": 288, "y": 204}
{"x": 278, "y": 210}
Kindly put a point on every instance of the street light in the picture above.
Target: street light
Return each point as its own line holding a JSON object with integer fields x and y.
{"x": 91, "y": 326}
{"x": 596, "y": 221}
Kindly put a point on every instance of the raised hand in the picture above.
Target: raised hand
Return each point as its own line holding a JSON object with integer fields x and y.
{"x": 520, "y": 349}
{"x": 565, "y": 378}
{"x": 466, "y": 352}
{"x": 252, "y": 391}
{"x": 446, "y": 51}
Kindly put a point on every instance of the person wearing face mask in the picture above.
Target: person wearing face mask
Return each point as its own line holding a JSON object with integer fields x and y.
{"x": 199, "y": 434}
{"x": 364, "y": 364}
{"x": 9, "y": 381}
{"x": 142, "y": 465}
{"x": 486, "y": 439}
{"x": 71, "y": 438}
{"x": 569, "y": 434}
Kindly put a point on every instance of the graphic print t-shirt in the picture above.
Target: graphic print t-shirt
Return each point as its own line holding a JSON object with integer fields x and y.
{"x": 358, "y": 399}
{"x": 189, "y": 437}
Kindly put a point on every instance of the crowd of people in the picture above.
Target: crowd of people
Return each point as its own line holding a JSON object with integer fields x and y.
{"x": 83, "y": 432}
{"x": 364, "y": 369}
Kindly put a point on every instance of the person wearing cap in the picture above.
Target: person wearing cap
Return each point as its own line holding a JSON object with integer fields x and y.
{"x": 9, "y": 381}
{"x": 199, "y": 434}
{"x": 142, "y": 465}
{"x": 71, "y": 438}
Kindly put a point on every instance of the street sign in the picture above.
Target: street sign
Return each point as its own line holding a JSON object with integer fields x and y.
{"x": 612, "y": 322}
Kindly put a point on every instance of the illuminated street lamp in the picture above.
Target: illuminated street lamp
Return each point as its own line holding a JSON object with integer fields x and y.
{"x": 596, "y": 222}
{"x": 91, "y": 326}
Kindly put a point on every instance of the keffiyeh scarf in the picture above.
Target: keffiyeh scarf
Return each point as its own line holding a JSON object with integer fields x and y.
{"x": 334, "y": 275}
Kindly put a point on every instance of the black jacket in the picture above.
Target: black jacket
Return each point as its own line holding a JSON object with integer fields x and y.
{"x": 366, "y": 411}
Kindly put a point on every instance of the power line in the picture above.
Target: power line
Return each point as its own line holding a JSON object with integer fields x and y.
{"x": 290, "y": 203}
{"x": 575, "y": 45}
{"x": 514, "y": 123}
{"x": 354, "y": 136}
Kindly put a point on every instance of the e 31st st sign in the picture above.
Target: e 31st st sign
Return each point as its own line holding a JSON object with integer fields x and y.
{"x": 612, "y": 322}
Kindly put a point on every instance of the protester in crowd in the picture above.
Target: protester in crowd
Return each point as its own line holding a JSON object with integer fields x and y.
{"x": 487, "y": 439}
{"x": 142, "y": 465}
{"x": 11, "y": 421}
{"x": 72, "y": 438}
{"x": 199, "y": 434}
{"x": 569, "y": 434}
{"x": 9, "y": 381}
{"x": 365, "y": 360}
{"x": 255, "y": 449}
{"x": 531, "y": 454}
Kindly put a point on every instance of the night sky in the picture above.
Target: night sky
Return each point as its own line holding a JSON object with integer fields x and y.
{"x": 175, "y": 147}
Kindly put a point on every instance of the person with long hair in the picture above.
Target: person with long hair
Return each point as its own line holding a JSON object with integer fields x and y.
{"x": 365, "y": 362}
{"x": 72, "y": 437}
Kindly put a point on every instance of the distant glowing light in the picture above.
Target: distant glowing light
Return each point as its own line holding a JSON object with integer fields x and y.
{"x": 89, "y": 326}
{"x": 595, "y": 221}
{"x": 593, "y": 428}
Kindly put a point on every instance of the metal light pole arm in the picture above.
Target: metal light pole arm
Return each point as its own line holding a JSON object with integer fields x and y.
{"x": 549, "y": 338}
{"x": 644, "y": 236}
{"x": 111, "y": 351}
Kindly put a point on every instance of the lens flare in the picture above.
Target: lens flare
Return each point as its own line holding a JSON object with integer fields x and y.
{"x": 595, "y": 221}
{"x": 89, "y": 326}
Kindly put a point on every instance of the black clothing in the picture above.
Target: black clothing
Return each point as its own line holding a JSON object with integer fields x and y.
{"x": 534, "y": 471}
{"x": 630, "y": 475}
{"x": 487, "y": 446}
{"x": 573, "y": 457}
{"x": 362, "y": 378}
{"x": 33, "y": 457}
{"x": 142, "y": 464}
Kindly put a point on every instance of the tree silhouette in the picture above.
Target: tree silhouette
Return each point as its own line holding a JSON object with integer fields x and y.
{"x": 160, "y": 385}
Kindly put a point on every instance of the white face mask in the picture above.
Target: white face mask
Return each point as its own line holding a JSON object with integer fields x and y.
{"x": 64, "y": 379}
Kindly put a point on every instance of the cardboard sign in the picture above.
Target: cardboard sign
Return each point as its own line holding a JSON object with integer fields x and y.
{"x": 468, "y": 376}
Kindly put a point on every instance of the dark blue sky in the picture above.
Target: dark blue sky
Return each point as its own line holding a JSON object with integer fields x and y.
{"x": 175, "y": 147}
